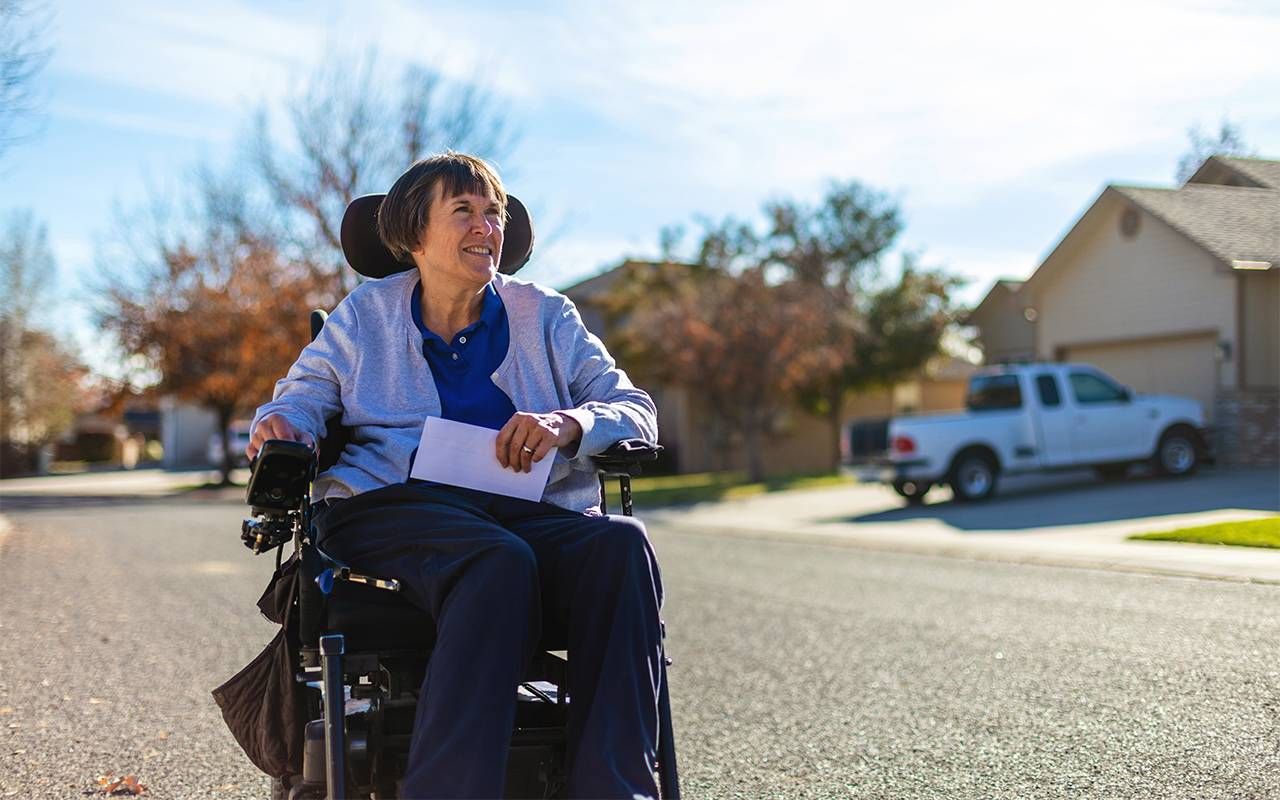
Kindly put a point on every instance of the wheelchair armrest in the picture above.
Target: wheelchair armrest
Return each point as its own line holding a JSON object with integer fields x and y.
{"x": 626, "y": 456}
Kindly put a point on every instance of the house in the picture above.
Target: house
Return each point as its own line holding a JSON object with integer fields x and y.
{"x": 695, "y": 436}
{"x": 1171, "y": 290}
{"x": 185, "y": 429}
{"x": 1005, "y": 333}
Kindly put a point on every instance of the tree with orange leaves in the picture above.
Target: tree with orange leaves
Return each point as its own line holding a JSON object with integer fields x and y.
{"x": 744, "y": 344}
{"x": 211, "y": 313}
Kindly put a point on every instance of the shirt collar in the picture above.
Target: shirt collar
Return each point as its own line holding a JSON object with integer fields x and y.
{"x": 490, "y": 306}
{"x": 490, "y": 310}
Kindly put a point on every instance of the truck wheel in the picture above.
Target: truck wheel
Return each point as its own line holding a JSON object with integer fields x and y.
{"x": 973, "y": 477}
{"x": 911, "y": 491}
{"x": 1176, "y": 455}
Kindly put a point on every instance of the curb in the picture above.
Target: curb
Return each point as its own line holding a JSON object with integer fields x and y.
{"x": 971, "y": 553}
{"x": 5, "y": 527}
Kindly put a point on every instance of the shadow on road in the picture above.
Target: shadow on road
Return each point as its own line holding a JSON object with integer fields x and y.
{"x": 73, "y": 502}
{"x": 1085, "y": 501}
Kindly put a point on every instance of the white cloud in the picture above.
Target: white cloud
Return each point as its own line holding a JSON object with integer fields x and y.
{"x": 228, "y": 52}
{"x": 715, "y": 106}
{"x": 223, "y": 54}
{"x": 930, "y": 97}
{"x": 149, "y": 123}
{"x": 756, "y": 94}
{"x": 72, "y": 253}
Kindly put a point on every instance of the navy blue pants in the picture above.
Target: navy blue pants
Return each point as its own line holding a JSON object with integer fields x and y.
{"x": 496, "y": 574}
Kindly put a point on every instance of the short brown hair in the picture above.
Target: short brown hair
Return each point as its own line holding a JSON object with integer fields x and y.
{"x": 403, "y": 215}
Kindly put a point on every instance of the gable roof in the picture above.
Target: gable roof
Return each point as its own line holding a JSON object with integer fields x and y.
{"x": 1229, "y": 221}
{"x": 1002, "y": 286}
{"x": 1233, "y": 223}
{"x": 1260, "y": 173}
{"x": 588, "y": 289}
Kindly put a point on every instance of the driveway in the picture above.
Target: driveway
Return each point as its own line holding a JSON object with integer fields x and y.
{"x": 1065, "y": 520}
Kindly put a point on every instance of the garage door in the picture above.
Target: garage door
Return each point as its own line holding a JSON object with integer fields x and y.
{"x": 1163, "y": 366}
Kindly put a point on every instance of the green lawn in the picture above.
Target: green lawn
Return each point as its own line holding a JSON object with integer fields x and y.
{"x": 1251, "y": 533}
{"x": 669, "y": 490}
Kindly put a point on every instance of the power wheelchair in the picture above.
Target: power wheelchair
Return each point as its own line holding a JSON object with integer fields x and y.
{"x": 361, "y": 649}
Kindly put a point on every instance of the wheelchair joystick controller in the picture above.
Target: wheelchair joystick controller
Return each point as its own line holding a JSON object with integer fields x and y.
{"x": 278, "y": 494}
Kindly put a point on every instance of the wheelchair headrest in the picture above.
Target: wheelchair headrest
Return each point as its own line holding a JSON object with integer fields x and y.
{"x": 368, "y": 256}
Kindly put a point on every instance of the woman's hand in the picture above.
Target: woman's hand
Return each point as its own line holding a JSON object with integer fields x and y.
{"x": 274, "y": 426}
{"x": 527, "y": 438}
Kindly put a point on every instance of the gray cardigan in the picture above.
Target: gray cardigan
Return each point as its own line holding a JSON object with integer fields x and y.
{"x": 367, "y": 365}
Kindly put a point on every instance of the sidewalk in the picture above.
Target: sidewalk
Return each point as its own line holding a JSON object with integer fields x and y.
{"x": 1080, "y": 523}
{"x": 137, "y": 482}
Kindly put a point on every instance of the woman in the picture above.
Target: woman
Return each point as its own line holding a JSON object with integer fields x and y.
{"x": 456, "y": 339}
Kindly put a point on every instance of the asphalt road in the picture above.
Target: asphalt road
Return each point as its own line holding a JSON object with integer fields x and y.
{"x": 802, "y": 671}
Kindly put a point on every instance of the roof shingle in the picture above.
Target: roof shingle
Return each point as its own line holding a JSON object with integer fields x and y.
{"x": 1261, "y": 170}
{"x": 1231, "y": 222}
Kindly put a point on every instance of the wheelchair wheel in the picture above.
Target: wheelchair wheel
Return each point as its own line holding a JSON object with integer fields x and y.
{"x": 280, "y": 790}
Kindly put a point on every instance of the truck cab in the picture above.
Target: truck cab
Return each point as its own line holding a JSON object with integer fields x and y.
{"x": 1039, "y": 417}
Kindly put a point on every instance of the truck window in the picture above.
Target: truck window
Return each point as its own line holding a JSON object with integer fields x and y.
{"x": 993, "y": 393}
{"x": 1089, "y": 388}
{"x": 1047, "y": 388}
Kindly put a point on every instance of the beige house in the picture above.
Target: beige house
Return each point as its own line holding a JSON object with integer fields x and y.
{"x": 1005, "y": 333}
{"x": 1171, "y": 290}
{"x": 697, "y": 440}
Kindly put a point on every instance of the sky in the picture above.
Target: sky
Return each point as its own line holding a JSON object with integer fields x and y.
{"x": 993, "y": 125}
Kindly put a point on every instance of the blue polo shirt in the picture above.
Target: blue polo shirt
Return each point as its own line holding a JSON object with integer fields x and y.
{"x": 463, "y": 368}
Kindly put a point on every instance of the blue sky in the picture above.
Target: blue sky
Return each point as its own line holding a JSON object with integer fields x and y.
{"x": 994, "y": 125}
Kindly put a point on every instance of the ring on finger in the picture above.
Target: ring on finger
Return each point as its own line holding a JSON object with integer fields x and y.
{"x": 526, "y": 448}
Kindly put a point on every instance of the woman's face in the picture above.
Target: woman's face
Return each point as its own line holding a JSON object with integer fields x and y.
{"x": 463, "y": 240}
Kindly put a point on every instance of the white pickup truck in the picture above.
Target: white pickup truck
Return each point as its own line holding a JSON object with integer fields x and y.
{"x": 1038, "y": 417}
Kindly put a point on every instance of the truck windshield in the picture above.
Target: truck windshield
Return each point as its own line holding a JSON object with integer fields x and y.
{"x": 993, "y": 393}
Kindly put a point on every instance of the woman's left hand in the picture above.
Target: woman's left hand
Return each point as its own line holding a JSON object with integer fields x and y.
{"x": 527, "y": 438}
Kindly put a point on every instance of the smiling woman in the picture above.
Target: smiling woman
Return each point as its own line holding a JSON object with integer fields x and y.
{"x": 454, "y": 237}
{"x": 453, "y": 337}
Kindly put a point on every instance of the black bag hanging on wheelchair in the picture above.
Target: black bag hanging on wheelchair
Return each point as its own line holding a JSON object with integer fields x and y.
{"x": 263, "y": 704}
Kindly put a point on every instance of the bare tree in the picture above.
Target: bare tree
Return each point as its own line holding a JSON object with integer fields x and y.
{"x": 1229, "y": 141}
{"x": 22, "y": 56}
{"x": 348, "y": 135}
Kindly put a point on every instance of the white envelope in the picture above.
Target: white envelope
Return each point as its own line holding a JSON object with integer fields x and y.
{"x": 464, "y": 455}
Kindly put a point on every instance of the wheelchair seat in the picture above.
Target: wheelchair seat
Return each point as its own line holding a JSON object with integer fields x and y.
{"x": 375, "y": 619}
